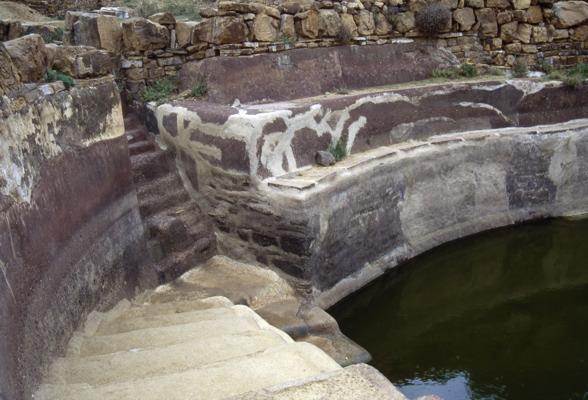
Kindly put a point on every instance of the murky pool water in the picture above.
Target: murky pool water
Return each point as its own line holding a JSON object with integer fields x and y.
{"x": 501, "y": 315}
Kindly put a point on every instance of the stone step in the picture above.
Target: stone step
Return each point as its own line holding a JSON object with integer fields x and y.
{"x": 125, "y": 323}
{"x": 156, "y": 203}
{"x": 221, "y": 276}
{"x": 175, "y": 264}
{"x": 171, "y": 226}
{"x": 245, "y": 320}
{"x": 148, "y": 310}
{"x": 357, "y": 382}
{"x": 159, "y": 186}
{"x": 220, "y": 380}
{"x": 132, "y": 365}
{"x": 135, "y": 135}
{"x": 141, "y": 146}
{"x": 149, "y": 166}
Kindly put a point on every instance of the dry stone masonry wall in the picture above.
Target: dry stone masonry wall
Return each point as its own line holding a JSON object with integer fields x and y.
{"x": 486, "y": 31}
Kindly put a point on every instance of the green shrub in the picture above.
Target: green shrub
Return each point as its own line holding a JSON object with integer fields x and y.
{"x": 574, "y": 77}
{"x": 468, "y": 70}
{"x": 446, "y": 73}
{"x": 159, "y": 91}
{"x": 200, "y": 89}
{"x": 338, "y": 150}
{"x": 433, "y": 19}
{"x": 520, "y": 68}
{"x": 342, "y": 90}
{"x": 546, "y": 67}
{"x": 55, "y": 75}
{"x": 53, "y": 36}
{"x": 494, "y": 71}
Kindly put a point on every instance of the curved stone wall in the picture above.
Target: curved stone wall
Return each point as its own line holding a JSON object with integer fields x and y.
{"x": 420, "y": 172}
{"x": 71, "y": 236}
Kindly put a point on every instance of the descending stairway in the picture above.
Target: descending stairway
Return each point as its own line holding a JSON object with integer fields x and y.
{"x": 180, "y": 234}
{"x": 178, "y": 342}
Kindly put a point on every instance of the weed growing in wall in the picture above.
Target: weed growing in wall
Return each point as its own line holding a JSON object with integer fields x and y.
{"x": 200, "y": 89}
{"x": 466, "y": 70}
{"x": 520, "y": 68}
{"x": 338, "y": 150}
{"x": 159, "y": 91}
{"x": 573, "y": 77}
{"x": 53, "y": 36}
{"x": 55, "y": 75}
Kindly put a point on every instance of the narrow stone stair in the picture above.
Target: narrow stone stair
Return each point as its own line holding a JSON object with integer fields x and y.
{"x": 198, "y": 348}
{"x": 180, "y": 234}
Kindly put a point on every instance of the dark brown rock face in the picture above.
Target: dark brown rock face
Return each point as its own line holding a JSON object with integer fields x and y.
{"x": 71, "y": 237}
{"x": 29, "y": 57}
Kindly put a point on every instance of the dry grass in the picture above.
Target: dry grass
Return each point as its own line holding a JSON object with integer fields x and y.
{"x": 181, "y": 9}
{"x": 19, "y": 12}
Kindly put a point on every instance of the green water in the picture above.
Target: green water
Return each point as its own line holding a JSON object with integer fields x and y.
{"x": 501, "y": 315}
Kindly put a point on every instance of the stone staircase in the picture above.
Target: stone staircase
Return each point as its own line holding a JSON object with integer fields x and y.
{"x": 180, "y": 234}
{"x": 181, "y": 342}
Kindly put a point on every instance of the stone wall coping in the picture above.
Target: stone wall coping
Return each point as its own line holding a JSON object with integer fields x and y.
{"x": 311, "y": 180}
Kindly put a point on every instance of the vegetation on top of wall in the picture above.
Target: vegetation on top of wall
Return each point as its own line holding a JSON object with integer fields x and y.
{"x": 338, "y": 150}
{"x": 53, "y": 36}
{"x": 573, "y": 77}
{"x": 433, "y": 19}
{"x": 55, "y": 75}
{"x": 520, "y": 68}
{"x": 160, "y": 91}
{"x": 200, "y": 88}
{"x": 465, "y": 70}
{"x": 181, "y": 9}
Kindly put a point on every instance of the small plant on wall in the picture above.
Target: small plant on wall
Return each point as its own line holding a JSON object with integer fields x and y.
{"x": 433, "y": 19}
{"x": 55, "y": 75}
{"x": 200, "y": 88}
{"x": 338, "y": 150}
{"x": 159, "y": 91}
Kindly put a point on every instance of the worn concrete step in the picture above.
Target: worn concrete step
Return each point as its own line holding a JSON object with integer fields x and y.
{"x": 244, "y": 320}
{"x": 220, "y": 380}
{"x": 339, "y": 347}
{"x": 129, "y": 324}
{"x": 146, "y": 310}
{"x": 159, "y": 186}
{"x": 141, "y": 146}
{"x": 142, "y": 364}
{"x": 221, "y": 276}
{"x": 357, "y": 382}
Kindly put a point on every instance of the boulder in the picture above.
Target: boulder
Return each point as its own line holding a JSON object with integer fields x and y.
{"x": 296, "y": 6}
{"x": 227, "y": 30}
{"x": 163, "y": 18}
{"x": 85, "y": 30}
{"x": 140, "y": 34}
{"x": 184, "y": 31}
{"x": 93, "y": 63}
{"x": 29, "y": 57}
{"x": 516, "y": 31}
{"x": 11, "y": 30}
{"x": 534, "y": 15}
{"x": 110, "y": 33}
{"x": 474, "y": 3}
{"x": 570, "y": 13}
{"x": 203, "y": 31}
{"x": 365, "y": 22}
{"x": 521, "y": 4}
{"x": 287, "y": 26}
{"x": 348, "y": 23}
{"x": 404, "y": 22}
{"x": 487, "y": 20}
{"x": 497, "y": 3}
{"x": 330, "y": 23}
{"x": 325, "y": 158}
{"x": 383, "y": 26}
{"x": 581, "y": 33}
{"x": 308, "y": 24}
{"x": 265, "y": 28}
{"x": 465, "y": 18}
{"x": 9, "y": 77}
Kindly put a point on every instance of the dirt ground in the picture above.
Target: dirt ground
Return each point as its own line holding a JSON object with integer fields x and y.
{"x": 19, "y": 12}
